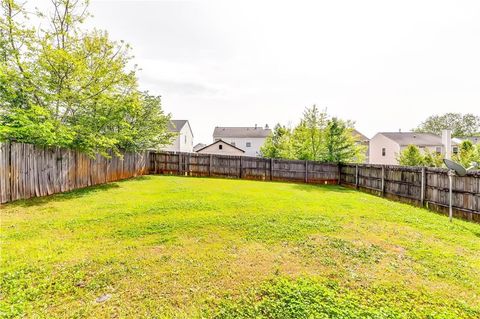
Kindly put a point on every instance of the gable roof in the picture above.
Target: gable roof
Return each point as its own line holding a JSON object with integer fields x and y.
{"x": 177, "y": 125}
{"x": 199, "y": 146}
{"x": 222, "y": 132}
{"x": 415, "y": 138}
{"x": 221, "y": 141}
{"x": 360, "y": 136}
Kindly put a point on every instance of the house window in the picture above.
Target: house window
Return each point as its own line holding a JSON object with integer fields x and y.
{"x": 384, "y": 151}
{"x": 455, "y": 150}
{"x": 249, "y": 144}
{"x": 438, "y": 150}
{"x": 233, "y": 143}
{"x": 185, "y": 139}
{"x": 220, "y": 146}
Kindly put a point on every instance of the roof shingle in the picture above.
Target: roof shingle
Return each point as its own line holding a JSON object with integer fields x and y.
{"x": 222, "y": 132}
{"x": 415, "y": 138}
{"x": 176, "y": 125}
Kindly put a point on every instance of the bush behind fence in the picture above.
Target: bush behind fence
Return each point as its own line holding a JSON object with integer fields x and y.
{"x": 30, "y": 171}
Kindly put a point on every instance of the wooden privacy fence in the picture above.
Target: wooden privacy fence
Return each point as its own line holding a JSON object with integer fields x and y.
{"x": 256, "y": 168}
{"x": 31, "y": 171}
{"x": 422, "y": 186}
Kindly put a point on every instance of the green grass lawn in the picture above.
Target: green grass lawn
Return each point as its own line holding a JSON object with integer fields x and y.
{"x": 182, "y": 247}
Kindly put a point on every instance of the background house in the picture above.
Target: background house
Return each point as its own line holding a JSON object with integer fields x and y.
{"x": 198, "y": 146}
{"x": 249, "y": 139}
{"x": 363, "y": 140}
{"x": 222, "y": 148}
{"x": 473, "y": 139}
{"x": 184, "y": 140}
{"x": 385, "y": 147}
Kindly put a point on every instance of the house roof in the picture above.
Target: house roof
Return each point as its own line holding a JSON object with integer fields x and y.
{"x": 222, "y": 132}
{"x": 177, "y": 125}
{"x": 221, "y": 141}
{"x": 473, "y": 139}
{"x": 360, "y": 136}
{"x": 199, "y": 146}
{"x": 415, "y": 138}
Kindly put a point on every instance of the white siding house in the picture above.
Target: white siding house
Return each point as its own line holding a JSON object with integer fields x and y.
{"x": 184, "y": 140}
{"x": 385, "y": 147}
{"x": 249, "y": 139}
{"x": 222, "y": 148}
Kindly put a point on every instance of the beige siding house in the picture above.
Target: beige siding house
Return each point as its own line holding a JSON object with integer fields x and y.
{"x": 385, "y": 147}
{"x": 184, "y": 140}
{"x": 364, "y": 141}
{"x": 249, "y": 139}
{"x": 221, "y": 148}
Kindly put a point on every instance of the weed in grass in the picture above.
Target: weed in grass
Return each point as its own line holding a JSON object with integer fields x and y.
{"x": 284, "y": 298}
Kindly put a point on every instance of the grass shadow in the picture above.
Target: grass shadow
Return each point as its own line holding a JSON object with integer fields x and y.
{"x": 323, "y": 188}
{"x": 78, "y": 193}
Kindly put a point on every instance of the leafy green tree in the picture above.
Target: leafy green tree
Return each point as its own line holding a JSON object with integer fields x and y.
{"x": 340, "y": 144}
{"x": 69, "y": 87}
{"x": 411, "y": 156}
{"x": 467, "y": 153}
{"x": 278, "y": 144}
{"x": 309, "y": 135}
{"x": 432, "y": 159}
{"x": 460, "y": 124}
{"x": 315, "y": 138}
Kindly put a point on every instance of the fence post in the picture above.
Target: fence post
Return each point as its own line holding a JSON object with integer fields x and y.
{"x": 150, "y": 162}
{"x": 155, "y": 157}
{"x": 339, "y": 174}
{"x": 383, "y": 180}
{"x": 179, "y": 163}
{"x": 423, "y": 186}
{"x": 240, "y": 173}
{"x": 210, "y": 160}
{"x": 271, "y": 169}
{"x": 356, "y": 176}
{"x": 306, "y": 171}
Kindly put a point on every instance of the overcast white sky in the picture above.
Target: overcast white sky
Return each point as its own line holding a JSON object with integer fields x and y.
{"x": 384, "y": 64}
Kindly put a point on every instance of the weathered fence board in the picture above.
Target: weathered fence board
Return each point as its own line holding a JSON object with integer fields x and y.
{"x": 417, "y": 185}
{"x": 243, "y": 167}
{"x": 30, "y": 171}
